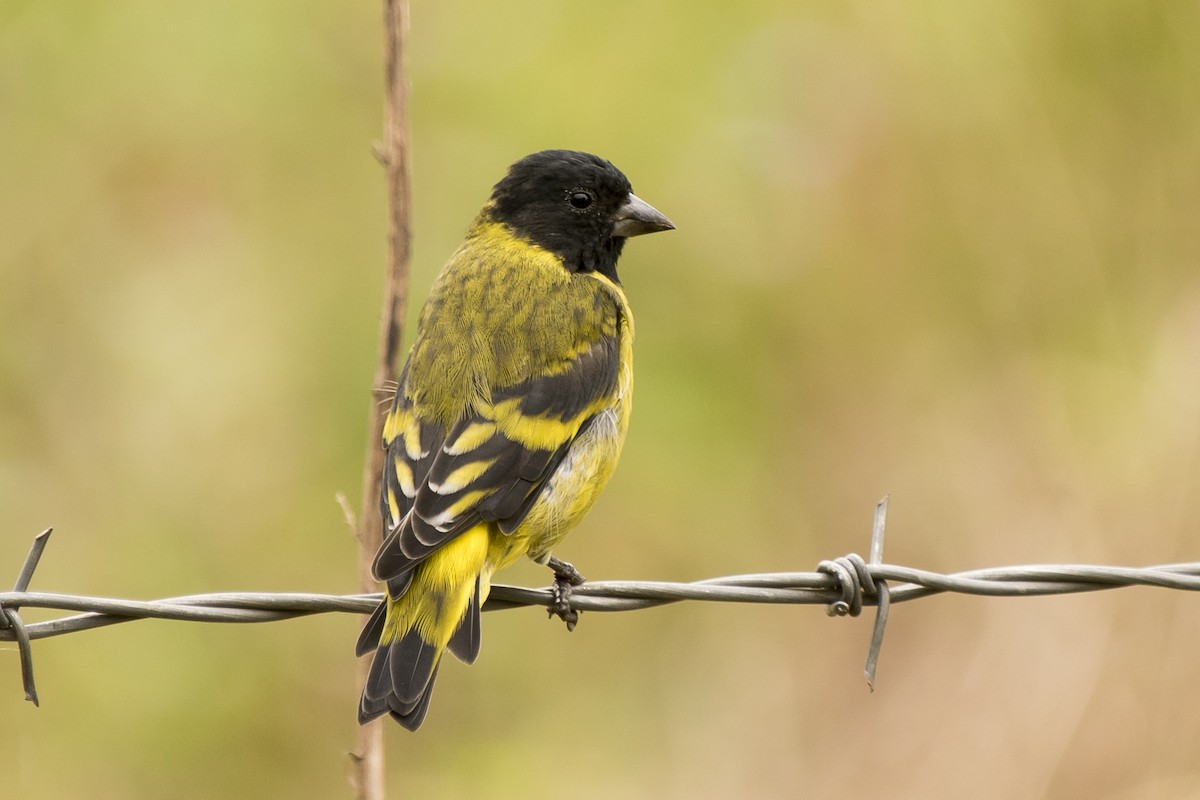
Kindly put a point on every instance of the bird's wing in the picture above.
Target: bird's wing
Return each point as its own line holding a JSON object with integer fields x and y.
{"x": 490, "y": 465}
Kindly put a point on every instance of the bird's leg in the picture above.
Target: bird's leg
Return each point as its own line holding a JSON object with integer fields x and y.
{"x": 566, "y": 577}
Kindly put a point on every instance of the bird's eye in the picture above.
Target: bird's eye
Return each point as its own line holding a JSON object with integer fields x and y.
{"x": 579, "y": 199}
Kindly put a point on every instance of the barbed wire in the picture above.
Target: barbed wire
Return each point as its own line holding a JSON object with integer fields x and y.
{"x": 844, "y": 585}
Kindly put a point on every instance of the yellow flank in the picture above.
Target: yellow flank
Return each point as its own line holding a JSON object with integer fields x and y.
{"x": 574, "y": 488}
{"x": 568, "y": 495}
{"x": 440, "y": 592}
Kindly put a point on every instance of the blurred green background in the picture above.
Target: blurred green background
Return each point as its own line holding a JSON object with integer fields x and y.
{"x": 944, "y": 250}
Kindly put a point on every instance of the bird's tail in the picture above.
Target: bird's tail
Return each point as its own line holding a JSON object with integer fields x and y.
{"x": 438, "y": 611}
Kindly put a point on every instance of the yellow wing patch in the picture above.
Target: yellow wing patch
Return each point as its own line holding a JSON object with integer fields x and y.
{"x": 393, "y": 506}
{"x": 458, "y": 508}
{"x": 462, "y": 477}
{"x": 404, "y": 477}
{"x": 402, "y": 423}
{"x": 471, "y": 438}
{"x": 539, "y": 432}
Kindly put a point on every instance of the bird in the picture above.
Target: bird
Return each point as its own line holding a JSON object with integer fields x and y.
{"x": 509, "y": 415}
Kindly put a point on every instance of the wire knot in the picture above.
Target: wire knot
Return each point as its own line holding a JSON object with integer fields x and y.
{"x": 855, "y": 582}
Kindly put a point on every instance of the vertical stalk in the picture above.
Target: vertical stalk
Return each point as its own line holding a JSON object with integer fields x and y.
{"x": 368, "y": 762}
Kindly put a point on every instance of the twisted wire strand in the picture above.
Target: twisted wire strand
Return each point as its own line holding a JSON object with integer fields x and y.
{"x": 797, "y": 588}
{"x": 843, "y": 585}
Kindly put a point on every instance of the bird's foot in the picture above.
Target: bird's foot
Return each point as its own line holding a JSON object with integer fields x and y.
{"x": 566, "y": 577}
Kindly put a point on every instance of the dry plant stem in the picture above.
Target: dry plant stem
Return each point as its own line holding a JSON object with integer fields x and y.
{"x": 368, "y": 757}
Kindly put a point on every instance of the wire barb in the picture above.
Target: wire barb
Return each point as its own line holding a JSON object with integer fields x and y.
{"x": 883, "y": 594}
{"x": 11, "y": 620}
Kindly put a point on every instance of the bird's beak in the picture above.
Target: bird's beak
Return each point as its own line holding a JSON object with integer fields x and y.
{"x": 637, "y": 216}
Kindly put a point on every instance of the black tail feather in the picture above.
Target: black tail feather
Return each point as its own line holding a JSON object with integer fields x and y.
{"x": 377, "y": 689}
{"x": 411, "y": 664}
{"x": 411, "y": 716}
{"x": 368, "y": 640}
{"x": 400, "y": 680}
{"x": 464, "y": 644}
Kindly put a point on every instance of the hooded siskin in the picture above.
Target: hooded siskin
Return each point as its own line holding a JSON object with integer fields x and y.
{"x": 509, "y": 416}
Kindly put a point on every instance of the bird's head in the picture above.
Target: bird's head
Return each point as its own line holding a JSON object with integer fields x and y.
{"x": 576, "y": 205}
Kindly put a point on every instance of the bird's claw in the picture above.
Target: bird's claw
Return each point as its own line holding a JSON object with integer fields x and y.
{"x": 566, "y": 577}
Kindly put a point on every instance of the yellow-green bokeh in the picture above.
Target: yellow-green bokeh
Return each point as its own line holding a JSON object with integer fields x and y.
{"x": 945, "y": 250}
